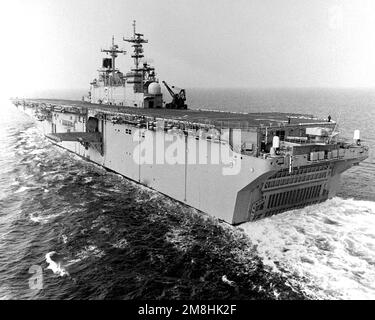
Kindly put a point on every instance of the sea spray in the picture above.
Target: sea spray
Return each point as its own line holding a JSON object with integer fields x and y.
{"x": 328, "y": 248}
{"x": 55, "y": 266}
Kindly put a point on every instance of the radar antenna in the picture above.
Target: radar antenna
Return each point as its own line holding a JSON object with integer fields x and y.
{"x": 113, "y": 51}
{"x": 137, "y": 41}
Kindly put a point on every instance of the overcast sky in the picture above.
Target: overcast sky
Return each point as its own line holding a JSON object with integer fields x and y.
{"x": 49, "y": 44}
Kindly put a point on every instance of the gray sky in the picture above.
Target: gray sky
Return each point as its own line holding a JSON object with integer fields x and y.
{"x": 49, "y": 44}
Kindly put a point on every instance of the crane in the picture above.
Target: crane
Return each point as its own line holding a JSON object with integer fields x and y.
{"x": 178, "y": 99}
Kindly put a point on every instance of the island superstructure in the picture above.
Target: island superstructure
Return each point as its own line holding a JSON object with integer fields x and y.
{"x": 237, "y": 167}
{"x": 138, "y": 88}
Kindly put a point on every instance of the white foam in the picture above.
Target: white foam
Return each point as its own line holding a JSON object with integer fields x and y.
{"x": 36, "y": 151}
{"x": 120, "y": 244}
{"x": 88, "y": 251}
{"x": 330, "y": 246}
{"x": 87, "y": 179}
{"x": 73, "y": 261}
{"x": 15, "y": 183}
{"x": 55, "y": 266}
{"x": 64, "y": 238}
{"x": 43, "y": 219}
{"x": 180, "y": 238}
{"x": 105, "y": 230}
{"x": 22, "y": 189}
{"x": 227, "y": 281}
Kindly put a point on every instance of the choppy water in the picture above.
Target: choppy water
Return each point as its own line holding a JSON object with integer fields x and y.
{"x": 96, "y": 235}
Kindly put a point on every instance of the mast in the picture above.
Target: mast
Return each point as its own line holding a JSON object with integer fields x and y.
{"x": 137, "y": 41}
{"x": 113, "y": 51}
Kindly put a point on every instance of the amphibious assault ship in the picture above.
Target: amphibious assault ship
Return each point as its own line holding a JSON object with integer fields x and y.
{"x": 237, "y": 167}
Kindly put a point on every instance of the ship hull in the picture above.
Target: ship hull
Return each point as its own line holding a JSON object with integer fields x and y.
{"x": 259, "y": 189}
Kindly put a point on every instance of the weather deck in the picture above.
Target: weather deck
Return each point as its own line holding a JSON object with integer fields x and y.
{"x": 225, "y": 118}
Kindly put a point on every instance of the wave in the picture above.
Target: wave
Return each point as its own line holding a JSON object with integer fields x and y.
{"x": 120, "y": 244}
{"x": 43, "y": 219}
{"x": 22, "y": 189}
{"x": 89, "y": 251}
{"x": 328, "y": 248}
{"x": 64, "y": 238}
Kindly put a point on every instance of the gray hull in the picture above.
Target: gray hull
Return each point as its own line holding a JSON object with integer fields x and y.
{"x": 262, "y": 187}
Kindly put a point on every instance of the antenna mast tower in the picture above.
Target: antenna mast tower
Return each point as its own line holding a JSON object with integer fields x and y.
{"x": 113, "y": 51}
{"x": 137, "y": 41}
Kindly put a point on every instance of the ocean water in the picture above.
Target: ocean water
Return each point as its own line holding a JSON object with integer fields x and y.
{"x": 96, "y": 235}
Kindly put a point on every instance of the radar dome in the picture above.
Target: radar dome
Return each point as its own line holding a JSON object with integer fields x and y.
{"x": 154, "y": 88}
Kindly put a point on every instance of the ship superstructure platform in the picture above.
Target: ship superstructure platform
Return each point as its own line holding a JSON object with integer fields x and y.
{"x": 200, "y": 116}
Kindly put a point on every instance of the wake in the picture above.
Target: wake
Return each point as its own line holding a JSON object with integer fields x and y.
{"x": 328, "y": 249}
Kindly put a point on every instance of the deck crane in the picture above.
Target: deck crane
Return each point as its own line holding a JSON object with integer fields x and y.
{"x": 178, "y": 99}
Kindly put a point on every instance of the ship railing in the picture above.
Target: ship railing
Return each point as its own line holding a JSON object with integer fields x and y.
{"x": 307, "y": 140}
{"x": 337, "y": 151}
